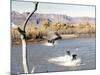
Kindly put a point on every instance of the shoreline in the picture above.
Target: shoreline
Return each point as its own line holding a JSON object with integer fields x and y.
{"x": 64, "y": 36}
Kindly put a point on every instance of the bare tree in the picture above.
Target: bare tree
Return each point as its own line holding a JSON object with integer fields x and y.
{"x": 22, "y": 31}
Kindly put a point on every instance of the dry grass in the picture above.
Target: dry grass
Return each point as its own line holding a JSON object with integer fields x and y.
{"x": 34, "y": 33}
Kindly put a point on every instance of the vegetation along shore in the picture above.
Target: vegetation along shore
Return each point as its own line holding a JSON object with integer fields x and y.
{"x": 35, "y": 33}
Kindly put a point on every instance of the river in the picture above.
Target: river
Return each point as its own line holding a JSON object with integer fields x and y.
{"x": 38, "y": 55}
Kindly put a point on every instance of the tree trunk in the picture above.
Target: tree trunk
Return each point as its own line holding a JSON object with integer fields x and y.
{"x": 24, "y": 55}
{"x": 24, "y": 42}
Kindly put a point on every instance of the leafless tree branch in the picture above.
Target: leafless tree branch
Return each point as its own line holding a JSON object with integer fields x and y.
{"x": 27, "y": 19}
{"x": 24, "y": 41}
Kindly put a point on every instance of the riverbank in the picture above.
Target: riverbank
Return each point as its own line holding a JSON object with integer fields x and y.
{"x": 64, "y": 36}
{"x": 67, "y": 36}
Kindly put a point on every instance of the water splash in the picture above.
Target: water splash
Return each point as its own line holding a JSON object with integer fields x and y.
{"x": 65, "y": 61}
{"x": 50, "y": 44}
{"x": 77, "y": 49}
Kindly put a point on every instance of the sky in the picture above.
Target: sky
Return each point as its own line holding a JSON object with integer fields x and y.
{"x": 53, "y": 8}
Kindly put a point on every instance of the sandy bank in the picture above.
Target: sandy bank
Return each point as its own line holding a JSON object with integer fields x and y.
{"x": 67, "y": 36}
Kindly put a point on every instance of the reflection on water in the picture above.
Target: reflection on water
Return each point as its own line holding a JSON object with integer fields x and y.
{"x": 38, "y": 55}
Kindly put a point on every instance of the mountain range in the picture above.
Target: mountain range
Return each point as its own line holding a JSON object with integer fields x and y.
{"x": 36, "y": 19}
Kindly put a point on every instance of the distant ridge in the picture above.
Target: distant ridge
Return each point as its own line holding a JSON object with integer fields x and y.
{"x": 18, "y": 18}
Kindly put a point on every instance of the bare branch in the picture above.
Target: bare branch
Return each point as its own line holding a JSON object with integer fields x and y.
{"x": 24, "y": 41}
{"x": 27, "y": 19}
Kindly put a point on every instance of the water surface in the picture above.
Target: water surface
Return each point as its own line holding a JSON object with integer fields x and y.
{"x": 39, "y": 54}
